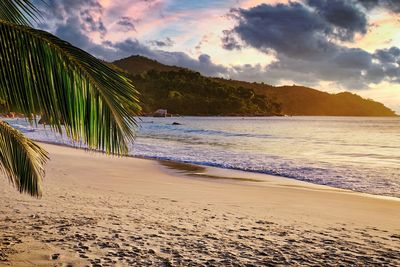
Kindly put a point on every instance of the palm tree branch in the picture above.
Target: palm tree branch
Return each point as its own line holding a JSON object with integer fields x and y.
{"x": 68, "y": 86}
{"x": 21, "y": 160}
{"x": 18, "y": 11}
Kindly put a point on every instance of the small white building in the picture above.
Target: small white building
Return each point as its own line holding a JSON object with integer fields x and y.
{"x": 161, "y": 113}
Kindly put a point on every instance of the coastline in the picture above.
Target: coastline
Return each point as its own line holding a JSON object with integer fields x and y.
{"x": 123, "y": 211}
{"x": 218, "y": 173}
{"x": 317, "y": 153}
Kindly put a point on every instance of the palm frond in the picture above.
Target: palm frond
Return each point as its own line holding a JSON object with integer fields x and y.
{"x": 18, "y": 11}
{"x": 21, "y": 160}
{"x": 42, "y": 74}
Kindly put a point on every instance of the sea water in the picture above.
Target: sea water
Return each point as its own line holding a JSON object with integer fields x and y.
{"x": 357, "y": 153}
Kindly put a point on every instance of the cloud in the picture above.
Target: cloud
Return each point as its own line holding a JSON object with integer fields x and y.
{"x": 295, "y": 29}
{"x": 71, "y": 31}
{"x": 126, "y": 23}
{"x": 88, "y": 13}
{"x": 391, "y": 55}
{"x": 202, "y": 64}
{"x": 391, "y": 5}
{"x": 167, "y": 42}
{"x": 75, "y": 21}
{"x": 115, "y": 50}
{"x": 204, "y": 40}
{"x": 306, "y": 40}
{"x": 389, "y": 60}
{"x": 229, "y": 41}
{"x": 343, "y": 18}
{"x": 91, "y": 24}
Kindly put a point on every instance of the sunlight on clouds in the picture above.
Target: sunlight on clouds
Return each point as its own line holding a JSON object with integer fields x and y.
{"x": 239, "y": 57}
{"x": 196, "y": 28}
{"x": 147, "y": 17}
{"x": 185, "y": 26}
{"x": 106, "y": 3}
{"x": 383, "y": 33}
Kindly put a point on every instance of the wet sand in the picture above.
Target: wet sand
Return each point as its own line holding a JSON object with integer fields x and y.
{"x": 108, "y": 211}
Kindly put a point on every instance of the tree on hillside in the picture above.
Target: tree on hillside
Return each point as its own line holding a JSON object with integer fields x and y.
{"x": 41, "y": 75}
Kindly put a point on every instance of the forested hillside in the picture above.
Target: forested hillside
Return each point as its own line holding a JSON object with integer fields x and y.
{"x": 186, "y": 92}
{"x": 189, "y": 93}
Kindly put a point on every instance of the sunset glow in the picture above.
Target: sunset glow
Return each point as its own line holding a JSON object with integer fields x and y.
{"x": 179, "y": 32}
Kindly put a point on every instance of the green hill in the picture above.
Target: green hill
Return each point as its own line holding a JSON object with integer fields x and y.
{"x": 138, "y": 64}
{"x": 303, "y": 101}
{"x": 186, "y": 92}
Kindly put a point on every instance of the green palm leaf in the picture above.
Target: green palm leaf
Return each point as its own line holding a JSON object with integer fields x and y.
{"x": 21, "y": 160}
{"x": 18, "y": 11}
{"x": 41, "y": 74}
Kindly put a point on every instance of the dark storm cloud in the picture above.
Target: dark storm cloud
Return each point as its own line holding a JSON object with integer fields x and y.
{"x": 389, "y": 59}
{"x": 306, "y": 41}
{"x": 353, "y": 58}
{"x": 391, "y": 5}
{"x": 344, "y": 18}
{"x": 291, "y": 29}
{"x": 295, "y": 29}
{"x": 391, "y": 55}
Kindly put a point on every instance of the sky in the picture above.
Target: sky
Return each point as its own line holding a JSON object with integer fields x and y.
{"x": 330, "y": 45}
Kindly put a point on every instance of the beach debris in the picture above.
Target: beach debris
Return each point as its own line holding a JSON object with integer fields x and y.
{"x": 55, "y": 256}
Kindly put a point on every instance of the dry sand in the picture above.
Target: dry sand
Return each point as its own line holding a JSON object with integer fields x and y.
{"x": 106, "y": 211}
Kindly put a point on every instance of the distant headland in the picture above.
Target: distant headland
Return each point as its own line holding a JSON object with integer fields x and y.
{"x": 186, "y": 92}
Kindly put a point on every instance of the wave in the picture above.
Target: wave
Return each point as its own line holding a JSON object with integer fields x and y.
{"x": 329, "y": 175}
{"x": 320, "y": 151}
{"x": 184, "y": 130}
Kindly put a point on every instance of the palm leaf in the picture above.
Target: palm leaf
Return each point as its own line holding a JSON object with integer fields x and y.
{"x": 18, "y": 11}
{"x": 21, "y": 160}
{"x": 41, "y": 74}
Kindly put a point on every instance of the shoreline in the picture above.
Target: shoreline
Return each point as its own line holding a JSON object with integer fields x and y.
{"x": 100, "y": 210}
{"x": 179, "y": 166}
{"x": 332, "y": 167}
{"x": 270, "y": 116}
{"x": 260, "y": 179}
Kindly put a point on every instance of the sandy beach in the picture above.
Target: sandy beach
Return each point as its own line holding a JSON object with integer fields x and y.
{"x": 107, "y": 211}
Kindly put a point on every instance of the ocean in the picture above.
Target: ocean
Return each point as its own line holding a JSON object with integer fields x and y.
{"x": 356, "y": 153}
